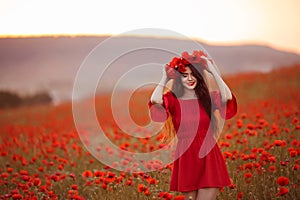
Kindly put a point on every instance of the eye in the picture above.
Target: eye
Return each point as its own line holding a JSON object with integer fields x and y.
{"x": 184, "y": 75}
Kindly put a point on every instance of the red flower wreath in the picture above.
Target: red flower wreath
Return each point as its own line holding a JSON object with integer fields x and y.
{"x": 179, "y": 63}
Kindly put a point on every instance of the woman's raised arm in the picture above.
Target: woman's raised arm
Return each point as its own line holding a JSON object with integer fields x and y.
{"x": 157, "y": 95}
{"x": 224, "y": 89}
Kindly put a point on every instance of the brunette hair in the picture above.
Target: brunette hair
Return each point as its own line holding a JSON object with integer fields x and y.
{"x": 201, "y": 88}
{"x": 203, "y": 96}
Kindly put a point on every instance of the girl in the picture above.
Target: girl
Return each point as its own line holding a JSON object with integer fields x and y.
{"x": 196, "y": 111}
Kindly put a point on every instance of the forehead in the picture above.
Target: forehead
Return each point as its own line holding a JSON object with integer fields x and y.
{"x": 187, "y": 70}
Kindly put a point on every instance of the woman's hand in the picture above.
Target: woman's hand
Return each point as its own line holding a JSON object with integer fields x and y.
{"x": 170, "y": 72}
{"x": 210, "y": 66}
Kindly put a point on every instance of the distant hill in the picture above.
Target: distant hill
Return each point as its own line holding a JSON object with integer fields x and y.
{"x": 50, "y": 63}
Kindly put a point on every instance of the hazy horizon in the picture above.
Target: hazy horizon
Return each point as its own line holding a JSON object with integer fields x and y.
{"x": 50, "y": 63}
{"x": 224, "y": 43}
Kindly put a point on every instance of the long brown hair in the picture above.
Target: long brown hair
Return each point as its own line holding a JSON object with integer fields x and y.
{"x": 201, "y": 88}
{"x": 203, "y": 96}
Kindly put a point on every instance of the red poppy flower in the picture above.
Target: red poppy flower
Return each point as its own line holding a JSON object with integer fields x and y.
{"x": 175, "y": 62}
{"x": 179, "y": 197}
{"x": 15, "y": 191}
{"x": 272, "y": 168}
{"x": 228, "y": 136}
{"x": 293, "y": 153}
{"x": 248, "y": 175}
{"x": 161, "y": 194}
{"x": 129, "y": 182}
{"x": 165, "y": 195}
{"x": 278, "y": 142}
{"x": 272, "y": 159}
{"x": 99, "y": 173}
{"x": 74, "y": 187}
{"x": 147, "y": 192}
{"x": 151, "y": 181}
{"x": 248, "y": 166}
{"x": 23, "y": 172}
{"x": 179, "y": 63}
{"x": 43, "y": 188}
{"x": 104, "y": 186}
{"x": 111, "y": 175}
{"x": 250, "y": 126}
{"x": 87, "y": 173}
{"x": 72, "y": 176}
{"x": 141, "y": 187}
{"x": 25, "y": 178}
{"x": 187, "y": 56}
{"x": 109, "y": 180}
{"x": 4, "y": 175}
{"x": 60, "y": 167}
{"x": 88, "y": 183}
{"x": 232, "y": 185}
{"x": 41, "y": 169}
{"x": 9, "y": 170}
{"x": 282, "y": 191}
{"x": 253, "y": 156}
{"x": 296, "y": 167}
{"x": 181, "y": 66}
{"x": 197, "y": 58}
{"x": 284, "y": 163}
{"x": 240, "y": 195}
{"x": 55, "y": 178}
{"x": 37, "y": 181}
{"x": 282, "y": 181}
{"x": 97, "y": 181}
{"x": 72, "y": 193}
{"x": 17, "y": 196}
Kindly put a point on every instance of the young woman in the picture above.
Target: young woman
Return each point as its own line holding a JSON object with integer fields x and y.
{"x": 196, "y": 110}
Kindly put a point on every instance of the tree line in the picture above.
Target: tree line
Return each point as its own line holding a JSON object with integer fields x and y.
{"x": 9, "y": 99}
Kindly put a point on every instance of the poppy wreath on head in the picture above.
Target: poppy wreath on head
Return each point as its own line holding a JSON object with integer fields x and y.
{"x": 178, "y": 64}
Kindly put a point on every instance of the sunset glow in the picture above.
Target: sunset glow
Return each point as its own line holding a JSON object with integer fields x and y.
{"x": 274, "y": 23}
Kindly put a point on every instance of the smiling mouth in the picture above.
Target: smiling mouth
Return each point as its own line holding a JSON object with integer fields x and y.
{"x": 191, "y": 83}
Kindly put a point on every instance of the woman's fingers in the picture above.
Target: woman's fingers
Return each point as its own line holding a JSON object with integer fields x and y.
{"x": 171, "y": 72}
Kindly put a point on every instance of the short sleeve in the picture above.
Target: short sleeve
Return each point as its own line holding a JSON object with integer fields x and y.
{"x": 231, "y": 105}
{"x": 160, "y": 113}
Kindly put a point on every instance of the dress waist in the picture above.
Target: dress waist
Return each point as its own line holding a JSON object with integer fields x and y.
{"x": 188, "y": 135}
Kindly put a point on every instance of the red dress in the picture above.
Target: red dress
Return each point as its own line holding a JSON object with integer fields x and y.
{"x": 191, "y": 171}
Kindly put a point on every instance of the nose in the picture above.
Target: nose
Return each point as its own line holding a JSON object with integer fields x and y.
{"x": 190, "y": 77}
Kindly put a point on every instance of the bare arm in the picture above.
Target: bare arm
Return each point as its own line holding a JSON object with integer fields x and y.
{"x": 224, "y": 89}
{"x": 157, "y": 95}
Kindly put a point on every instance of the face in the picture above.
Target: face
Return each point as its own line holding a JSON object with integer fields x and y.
{"x": 188, "y": 80}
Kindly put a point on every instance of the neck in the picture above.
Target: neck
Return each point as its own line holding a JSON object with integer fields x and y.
{"x": 189, "y": 94}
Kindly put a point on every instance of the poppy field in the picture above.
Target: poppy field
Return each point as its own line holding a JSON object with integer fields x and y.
{"x": 42, "y": 156}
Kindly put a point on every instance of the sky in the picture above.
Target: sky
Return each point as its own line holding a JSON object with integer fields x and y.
{"x": 275, "y": 23}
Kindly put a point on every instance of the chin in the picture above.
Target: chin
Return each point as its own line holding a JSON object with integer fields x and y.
{"x": 190, "y": 87}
